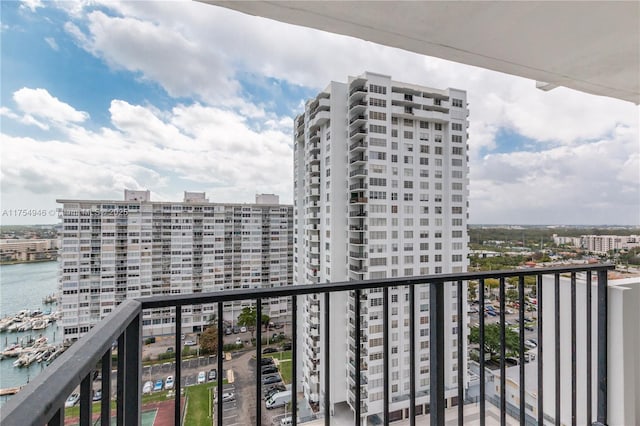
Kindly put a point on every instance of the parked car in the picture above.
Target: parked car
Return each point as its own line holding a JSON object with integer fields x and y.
{"x": 148, "y": 387}
{"x": 510, "y": 361}
{"x": 279, "y": 399}
{"x": 170, "y": 349}
{"x": 269, "y": 369}
{"x": 189, "y": 343}
{"x": 228, "y": 396}
{"x": 286, "y": 421}
{"x": 271, "y": 379}
{"x": 269, "y": 350}
{"x": 243, "y": 329}
{"x": 72, "y": 400}
{"x": 168, "y": 384}
{"x": 213, "y": 374}
{"x": 236, "y": 330}
{"x": 529, "y": 328}
{"x": 97, "y": 395}
{"x": 287, "y": 346}
{"x": 158, "y": 385}
{"x": 201, "y": 377}
{"x": 529, "y": 344}
{"x": 266, "y": 361}
{"x": 228, "y": 331}
{"x": 273, "y": 390}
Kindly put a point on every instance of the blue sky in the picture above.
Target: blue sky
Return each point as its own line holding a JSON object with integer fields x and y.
{"x": 175, "y": 96}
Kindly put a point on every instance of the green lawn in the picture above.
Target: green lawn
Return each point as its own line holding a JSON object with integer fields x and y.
{"x": 285, "y": 371}
{"x": 199, "y": 403}
{"x": 278, "y": 355}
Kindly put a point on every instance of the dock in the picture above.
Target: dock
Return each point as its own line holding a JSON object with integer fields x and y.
{"x": 10, "y": 391}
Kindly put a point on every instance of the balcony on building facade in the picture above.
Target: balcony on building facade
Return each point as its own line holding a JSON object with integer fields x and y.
{"x": 43, "y": 400}
{"x": 359, "y": 132}
{"x": 359, "y": 145}
{"x": 359, "y": 172}
{"x": 357, "y": 106}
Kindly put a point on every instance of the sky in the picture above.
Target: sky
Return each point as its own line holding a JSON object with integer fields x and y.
{"x": 98, "y": 96}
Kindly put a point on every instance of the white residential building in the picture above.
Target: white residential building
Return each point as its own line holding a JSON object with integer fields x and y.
{"x": 380, "y": 181}
{"x": 114, "y": 250}
{"x": 602, "y": 244}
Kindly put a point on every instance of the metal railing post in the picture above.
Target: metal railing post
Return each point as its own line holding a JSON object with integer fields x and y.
{"x": 133, "y": 366}
{"x": 603, "y": 336}
{"x": 177, "y": 412}
{"x": 436, "y": 353}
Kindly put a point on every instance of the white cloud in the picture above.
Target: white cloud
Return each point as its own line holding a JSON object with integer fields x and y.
{"x": 52, "y": 43}
{"x": 191, "y": 147}
{"x": 584, "y": 168}
{"x": 39, "y": 103}
{"x": 32, "y": 5}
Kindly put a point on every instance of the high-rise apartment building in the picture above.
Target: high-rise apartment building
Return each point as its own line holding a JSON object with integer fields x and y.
{"x": 380, "y": 181}
{"x": 114, "y": 250}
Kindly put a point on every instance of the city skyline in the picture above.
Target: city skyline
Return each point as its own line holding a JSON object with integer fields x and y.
{"x": 168, "y": 109}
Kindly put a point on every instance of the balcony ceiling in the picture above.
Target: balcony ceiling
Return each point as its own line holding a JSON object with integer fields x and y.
{"x": 593, "y": 47}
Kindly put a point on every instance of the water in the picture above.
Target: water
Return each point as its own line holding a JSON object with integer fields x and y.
{"x": 22, "y": 286}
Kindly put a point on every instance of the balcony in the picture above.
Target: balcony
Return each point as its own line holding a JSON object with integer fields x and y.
{"x": 42, "y": 401}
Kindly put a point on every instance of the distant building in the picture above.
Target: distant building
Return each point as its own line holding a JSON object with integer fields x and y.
{"x": 117, "y": 249}
{"x": 28, "y": 250}
{"x": 602, "y": 244}
{"x": 380, "y": 182}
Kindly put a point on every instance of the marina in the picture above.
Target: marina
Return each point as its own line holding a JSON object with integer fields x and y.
{"x": 29, "y": 335}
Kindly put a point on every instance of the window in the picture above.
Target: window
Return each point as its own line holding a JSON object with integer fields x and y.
{"x": 456, "y": 258}
{"x": 456, "y": 186}
{"x": 408, "y": 122}
{"x": 394, "y": 158}
{"x": 456, "y": 162}
{"x": 377, "y": 102}
{"x": 437, "y": 126}
{"x": 437, "y": 150}
{"x": 456, "y": 210}
{"x": 377, "y": 182}
{"x": 457, "y": 174}
{"x": 456, "y": 103}
{"x": 394, "y": 133}
{"x": 456, "y": 138}
{"x": 376, "y": 115}
{"x": 378, "y": 142}
{"x": 377, "y": 155}
{"x": 408, "y": 159}
{"x": 374, "y": 128}
{"x": 456, "y": 127}
{"x": 424, "y": 161}
{"x": 408, "y": 184}
{"x": 457, "y": 151}
{"x": 408, "y": 197}
{"x": 377, "y": 195}
{"x": 408, "y": 134}
{"x": 424, "y": 124}
{"x": 374, "y": 88}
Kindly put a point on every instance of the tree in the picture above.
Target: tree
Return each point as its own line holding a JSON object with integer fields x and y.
{"x": 473, "y": 290}
{"x": 247, "y": 318}
{"x": 492, "y": 339}
{"x": 512, "y": 295}
{"x": 209, "y": 340}
{"x": 492, "y": 284}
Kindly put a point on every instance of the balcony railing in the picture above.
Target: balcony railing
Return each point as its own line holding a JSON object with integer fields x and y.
{"x": 43, "y": 400}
